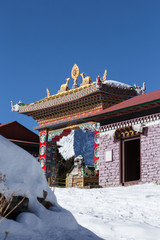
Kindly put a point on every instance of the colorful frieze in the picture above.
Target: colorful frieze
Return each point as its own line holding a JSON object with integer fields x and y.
{"x": 58, "y": 99}
{"x": 53, "y": 134}
{"x": 87, "y": 126}
{"x": 132, "y": 122}
{"x": 67, "y": 119}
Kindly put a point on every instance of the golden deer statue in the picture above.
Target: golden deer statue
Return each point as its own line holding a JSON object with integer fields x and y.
{"x": 64, "y": 86}
{"x": 85, "y": 80}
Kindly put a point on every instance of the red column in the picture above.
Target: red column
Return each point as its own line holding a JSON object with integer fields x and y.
{"x": 42, "y": 149}
{"x": 96, "y": 149}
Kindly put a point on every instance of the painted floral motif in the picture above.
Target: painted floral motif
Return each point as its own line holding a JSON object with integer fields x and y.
{"x": 43, "y": 137}
{"x": 96, "y": 152}
{"x": 42, "y": 162}
{"x": 97, "y": 138}
{"x": 42, "y": 150}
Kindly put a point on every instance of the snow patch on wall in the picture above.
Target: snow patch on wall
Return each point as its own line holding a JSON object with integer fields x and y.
{"x": 67, "y": 143}
{"x": 78, "y": 142}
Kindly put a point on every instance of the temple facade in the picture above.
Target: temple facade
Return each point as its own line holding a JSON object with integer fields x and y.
{"x": 73, "y": 108}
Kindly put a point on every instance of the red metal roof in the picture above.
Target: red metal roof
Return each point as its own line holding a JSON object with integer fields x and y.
{"x": 16, "y": 131}
{"x": 4, "y": 124}
{"x": 140, "y": 101}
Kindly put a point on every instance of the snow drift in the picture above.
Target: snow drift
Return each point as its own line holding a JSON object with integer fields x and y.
{"x": 25, "y": 176}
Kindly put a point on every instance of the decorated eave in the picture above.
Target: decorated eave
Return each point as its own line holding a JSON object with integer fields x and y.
{"x": 73, "y": 95}
{"x": 59, "y": 99}
{"x": 129, "y": 127}
{"x": 79, "y": 102}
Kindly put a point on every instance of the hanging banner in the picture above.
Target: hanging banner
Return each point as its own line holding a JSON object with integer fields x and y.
{"x": 51, "y": 163}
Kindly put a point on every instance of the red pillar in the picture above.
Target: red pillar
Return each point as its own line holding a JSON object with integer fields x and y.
{"x": 96, "y": 149}
{"x": 42, "y": 149}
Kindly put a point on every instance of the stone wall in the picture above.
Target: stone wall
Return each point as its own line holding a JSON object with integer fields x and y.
{"x": 109, "y": 172}
{"x": 150, "y": 154}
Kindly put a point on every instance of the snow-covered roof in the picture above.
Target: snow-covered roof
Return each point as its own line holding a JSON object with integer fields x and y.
{"x": 117, "y": 84}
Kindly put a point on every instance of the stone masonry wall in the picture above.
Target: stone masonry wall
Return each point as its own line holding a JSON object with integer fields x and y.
{"x": 150, "y": 154}
{"x": 109, "y": 172}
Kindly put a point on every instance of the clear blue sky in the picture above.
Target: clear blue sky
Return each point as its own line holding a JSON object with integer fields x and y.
{"x": 40, "y": 41}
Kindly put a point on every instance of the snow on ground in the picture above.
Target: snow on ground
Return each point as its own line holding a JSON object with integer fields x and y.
{"x": 119, "y": 213}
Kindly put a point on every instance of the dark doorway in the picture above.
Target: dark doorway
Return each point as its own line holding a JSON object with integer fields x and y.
{"x": 130, "y": 160}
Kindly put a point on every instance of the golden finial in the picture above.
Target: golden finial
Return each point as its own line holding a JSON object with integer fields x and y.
{"x": 105, "y": 75}
{"x": 48, "y": 93}
{"x": 75, "y": 73}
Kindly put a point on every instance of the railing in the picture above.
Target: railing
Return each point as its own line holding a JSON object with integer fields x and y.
{"x": 74, "y": 181}
{"x": 57, "y": 182}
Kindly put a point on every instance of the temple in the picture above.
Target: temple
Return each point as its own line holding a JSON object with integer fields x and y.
{"x": 57, "y": 115}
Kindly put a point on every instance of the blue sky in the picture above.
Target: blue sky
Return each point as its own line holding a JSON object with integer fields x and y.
{"x": 40, "y": 41}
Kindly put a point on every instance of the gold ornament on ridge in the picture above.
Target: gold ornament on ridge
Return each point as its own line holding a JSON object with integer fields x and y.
{"x": 105, "y": 75}
{"x": 75, "y": 73}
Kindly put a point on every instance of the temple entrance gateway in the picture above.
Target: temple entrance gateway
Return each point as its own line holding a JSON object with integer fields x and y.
{"x": 130, "y": 160}
{"x": 69, "y": 109}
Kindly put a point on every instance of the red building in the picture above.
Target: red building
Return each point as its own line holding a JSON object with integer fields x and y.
{"x": 21, "y": 136}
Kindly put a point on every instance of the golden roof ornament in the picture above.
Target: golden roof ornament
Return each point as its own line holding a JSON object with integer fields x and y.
{"x": 85, "y": 80}
{"x": 65, "y": 87}
{"x": 75, "y": 74}
{"x": 105, "y": 75}
{"x": 48, "y": 93}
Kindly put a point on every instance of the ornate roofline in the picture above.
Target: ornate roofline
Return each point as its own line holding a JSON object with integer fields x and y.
{"x": 72, "y": 95}
{"x": 134, "y": 121}
{"x": 60, "y": 98}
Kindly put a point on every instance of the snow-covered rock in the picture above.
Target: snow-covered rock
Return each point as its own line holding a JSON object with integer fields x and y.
{"x": 23, "y": 173}
{"x": 25, "y": 176}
